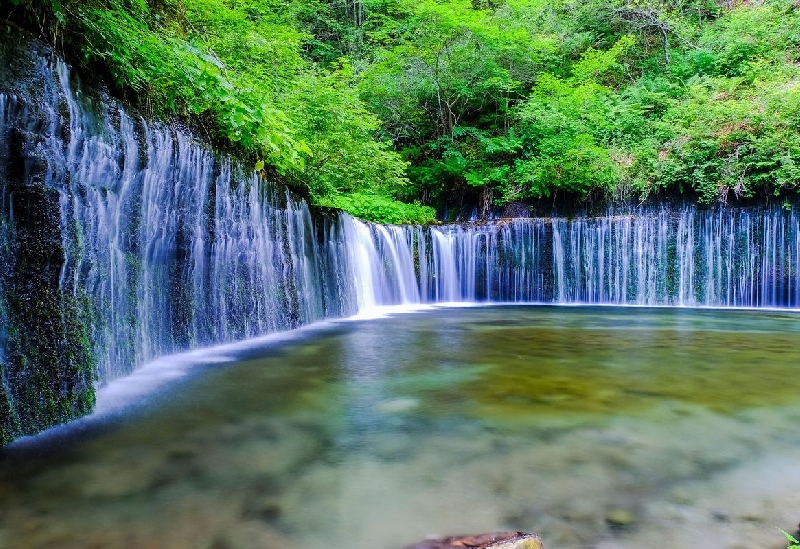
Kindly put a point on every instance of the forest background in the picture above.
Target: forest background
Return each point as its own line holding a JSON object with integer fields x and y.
{"x": 394, "y": 110}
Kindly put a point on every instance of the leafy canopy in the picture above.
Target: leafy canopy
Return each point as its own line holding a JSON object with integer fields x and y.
{"x": 360, "y": 103}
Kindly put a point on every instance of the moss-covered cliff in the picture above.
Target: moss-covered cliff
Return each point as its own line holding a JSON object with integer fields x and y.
{"x": 46, "y": 363}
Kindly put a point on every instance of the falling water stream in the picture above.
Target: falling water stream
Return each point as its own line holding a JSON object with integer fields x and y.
{"x": 178, "y": 248}
{"x": 484, "y": 418}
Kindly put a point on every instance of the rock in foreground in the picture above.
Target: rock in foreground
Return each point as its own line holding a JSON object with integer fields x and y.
{"x": 495, "y": 540}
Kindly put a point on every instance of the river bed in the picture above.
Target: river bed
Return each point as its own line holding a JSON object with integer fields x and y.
{"x": 602, "y": 427}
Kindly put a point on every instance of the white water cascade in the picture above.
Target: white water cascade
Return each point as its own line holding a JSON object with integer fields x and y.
{"x": 176, "y": 247}
{"x": 682, "y": 256}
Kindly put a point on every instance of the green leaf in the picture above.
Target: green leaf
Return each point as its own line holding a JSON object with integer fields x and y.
{"x": 789, "y": 536}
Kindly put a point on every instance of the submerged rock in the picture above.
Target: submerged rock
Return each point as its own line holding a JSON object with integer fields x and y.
{"x": 495, "y": 540}
{"x": 681, "y": 496}
{"x": 619, "y": 518}
{"x": 398, "y": 405}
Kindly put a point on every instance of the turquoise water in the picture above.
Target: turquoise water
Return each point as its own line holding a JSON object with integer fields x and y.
{"x": 375, "y": 434}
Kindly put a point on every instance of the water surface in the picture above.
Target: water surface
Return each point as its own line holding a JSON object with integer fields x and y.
{"x": 595, "y": 427}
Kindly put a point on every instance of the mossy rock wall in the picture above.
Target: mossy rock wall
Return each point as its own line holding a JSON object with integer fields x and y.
{"x": 46, "y": 363}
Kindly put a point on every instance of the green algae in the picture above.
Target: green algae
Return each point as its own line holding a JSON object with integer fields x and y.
{"x": 439, "y": 379}
{"x": 529, "y": 364}
{"x": 633, "y": 363}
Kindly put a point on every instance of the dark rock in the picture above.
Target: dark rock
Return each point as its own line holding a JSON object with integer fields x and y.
{"x": 265, "y": 508}
{"x": 48, "y": 369}
{"x": 721, "y": 516}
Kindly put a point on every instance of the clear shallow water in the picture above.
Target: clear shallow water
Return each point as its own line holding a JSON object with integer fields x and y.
{"x": 379, "y": 433}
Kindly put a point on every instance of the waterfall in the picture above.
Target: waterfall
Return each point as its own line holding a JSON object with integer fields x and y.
{"x": 171, "y": 246}
{"x": 684, "y": 256}
{"x": 176, "y": 246}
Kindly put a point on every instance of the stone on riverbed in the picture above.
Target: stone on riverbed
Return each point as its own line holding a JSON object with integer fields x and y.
{"x": 495, "y": 540}
{"x": 619, "y": 518}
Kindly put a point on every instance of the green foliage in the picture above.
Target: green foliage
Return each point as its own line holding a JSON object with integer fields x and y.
{"x": 237, "y": 71}
{"x": 447, "y": 101}
{"x": 346, "y": 155}
{"x": 529, "y": 99}
{"x": 792, "y": 542}
{"x": 564, "y": 124}
{"x": 182, "y": 73}
{"x": 380, "y": 209}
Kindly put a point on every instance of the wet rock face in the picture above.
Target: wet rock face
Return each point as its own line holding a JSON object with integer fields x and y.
{"x": 46, "y": 365}
{"x": 495, "y": 540}
{"x": 122, "y": 240}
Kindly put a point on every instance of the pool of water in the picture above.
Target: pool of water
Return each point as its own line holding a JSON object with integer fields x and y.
{"x": 594, "y": 427}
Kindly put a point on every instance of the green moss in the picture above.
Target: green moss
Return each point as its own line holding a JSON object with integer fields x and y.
{"x": 9, "y": 422}
{"x": 48, "y": 374}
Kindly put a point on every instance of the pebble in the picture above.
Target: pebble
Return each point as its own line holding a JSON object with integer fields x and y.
{"x": 251, "y": 535}
{"x": 264, "y": 508}
{"x": 681, "y": 496}
{"x": 721, "y": 516}
{"x": 398, "y": 405}
{"x": 392, "y": 448}
{"x": 752, "y": 517}
{"x": 561, "y": 535}
{"x": 121, "y": 479}
{"x": 619, "y": 518}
